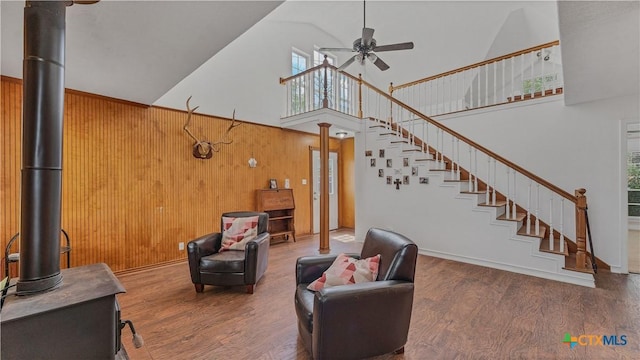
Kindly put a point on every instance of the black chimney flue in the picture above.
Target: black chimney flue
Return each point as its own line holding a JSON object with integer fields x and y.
{"x": 42, "y": 119}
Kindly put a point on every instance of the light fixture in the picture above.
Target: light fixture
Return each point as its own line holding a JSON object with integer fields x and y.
{"x": 252, "y": 161}
{"x": 341, "y": 134}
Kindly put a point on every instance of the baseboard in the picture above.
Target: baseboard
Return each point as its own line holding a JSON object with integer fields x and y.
{"x": 566, "y": 276}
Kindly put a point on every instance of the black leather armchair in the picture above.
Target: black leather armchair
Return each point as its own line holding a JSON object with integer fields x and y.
{"x": 209, "y": 266}
{"x": 364, "y": 319}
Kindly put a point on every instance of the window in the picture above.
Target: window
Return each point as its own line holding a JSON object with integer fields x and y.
{"x": 298, "y": 94}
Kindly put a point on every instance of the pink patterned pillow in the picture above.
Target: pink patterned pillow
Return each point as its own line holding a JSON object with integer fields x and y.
{"x": 347, "y": 270}
{"x": 236, "y": 232}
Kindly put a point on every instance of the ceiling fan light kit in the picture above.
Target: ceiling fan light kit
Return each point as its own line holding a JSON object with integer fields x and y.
{"x": 365, "y": 46}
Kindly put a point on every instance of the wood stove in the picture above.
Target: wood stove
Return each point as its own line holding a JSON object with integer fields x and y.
{"x": 52, "y": 314}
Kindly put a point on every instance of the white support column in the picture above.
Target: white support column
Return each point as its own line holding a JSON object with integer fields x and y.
{"x": 533, "y": 79}
{"x": 522, "y": 75}
{"x": 495, "y": 83}
{"x": 453, "y": 158}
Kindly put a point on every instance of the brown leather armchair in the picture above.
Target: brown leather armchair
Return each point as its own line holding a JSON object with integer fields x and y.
{"x": 209, "y": 266}
{"x": 358, "y": 320}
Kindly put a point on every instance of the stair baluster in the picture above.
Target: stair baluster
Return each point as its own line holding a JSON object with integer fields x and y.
{"x": 551, "y": 222}
{"x": 529, "y": 208}
{"x": 514, "y": 215}
{"x": 537, "y": 209}
{"x": 507, "y": 212}
{"x": 562, "y": 225}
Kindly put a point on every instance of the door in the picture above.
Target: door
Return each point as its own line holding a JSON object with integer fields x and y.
{"x": 333, "y": 190}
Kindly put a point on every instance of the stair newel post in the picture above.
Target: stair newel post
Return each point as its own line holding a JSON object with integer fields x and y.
{"x": 529, "y": 208}
{"x": 542, "y": 61}
{"x": 537, "y": 209}
{"x": 360, "y": 96}
{"x": 325, "y": 100}
{"x": 581, "y": 229}
{"x": 551, "y": 222}
{"x": 507, "y": 213}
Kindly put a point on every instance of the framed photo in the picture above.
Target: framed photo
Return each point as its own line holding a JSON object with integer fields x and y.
{"x": 389, "y": 163}
{"x": 405, "y": 180}
{"x": 373, "y": 162}
{"x": 424, "y": 180}
{"x": 389, "y": 180}
{"x": 381, "y": 172}
{"x": 273, "y": 184}
{"x": 414, "y": 171}
{"x": 381, "y": 153}
{"x": 405, "y": 162}
{"x": 368, "y": 153}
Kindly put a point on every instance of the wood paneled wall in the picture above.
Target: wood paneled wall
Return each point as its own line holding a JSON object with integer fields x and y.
{"x": 347, "y": 184}
{"x": 131, "y": 188}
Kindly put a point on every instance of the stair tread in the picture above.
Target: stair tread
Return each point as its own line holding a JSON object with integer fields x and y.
{"x": 544, "y": 246}
{"x": 376, "y": 126}
{"x": 412, "y": 150}
{"x": 542, "y": 234}
{"x": 519, "y": 217}
{"x": 473, "y": 192}
{"x": 424, "y": 159}
{"x": 498, "y": 203}
{"x": 453, "y": 180}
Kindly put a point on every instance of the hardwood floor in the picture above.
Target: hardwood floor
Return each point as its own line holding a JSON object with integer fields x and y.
{"x": 460, "y": 311}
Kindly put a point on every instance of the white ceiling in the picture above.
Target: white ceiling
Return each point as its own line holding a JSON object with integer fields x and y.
{"x": 140, "y": 51}
{"x": 136, "y": 50}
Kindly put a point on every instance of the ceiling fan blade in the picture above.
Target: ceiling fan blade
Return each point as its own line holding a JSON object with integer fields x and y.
{"x": 334, "y": 49}
{"x": 348, "y": 62}
{"x": 378, "y": 62}
{"x": 391, "y": 47}
{"x": 367, "y": 36}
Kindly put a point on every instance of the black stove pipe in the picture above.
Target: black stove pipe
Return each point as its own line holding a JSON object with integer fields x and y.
{"x": 42, "y": 119}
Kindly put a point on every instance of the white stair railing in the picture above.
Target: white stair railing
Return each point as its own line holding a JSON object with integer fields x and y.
{"x": 524, "y": 74}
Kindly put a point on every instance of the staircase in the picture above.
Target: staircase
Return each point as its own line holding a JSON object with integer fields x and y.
{"x": 456, "y": 198}
{"x": 414, "y": 164}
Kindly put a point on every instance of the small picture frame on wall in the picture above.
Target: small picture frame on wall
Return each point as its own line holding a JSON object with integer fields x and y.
{"x": 405, "y": 180}
{"x": 381, "y": 172}
{"x": 368, "y": 153}
{"x": 373, "y": 162}
{"x": 389, "y": 180}
{"x": 273, "y": 184}
{"x": 414, "y": 171}
{"x": 389, "y": 163}
{"x": 405, "y": 162}
{"x": 424, "y": 180}
{"x": 381, "y": 153}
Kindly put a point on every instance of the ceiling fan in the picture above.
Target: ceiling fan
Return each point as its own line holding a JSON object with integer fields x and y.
{"x": 366, "y": 46}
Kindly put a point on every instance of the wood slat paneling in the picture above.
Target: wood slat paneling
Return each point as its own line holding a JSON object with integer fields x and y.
{"x": 347, "y": 186}
{"x": 131, "y": 188}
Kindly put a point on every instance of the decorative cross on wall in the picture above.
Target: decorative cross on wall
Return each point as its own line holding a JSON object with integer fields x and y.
{"x": 397, "y": 182}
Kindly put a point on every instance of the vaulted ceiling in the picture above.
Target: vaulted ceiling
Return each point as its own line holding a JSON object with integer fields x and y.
{"x": 142, "y": 51}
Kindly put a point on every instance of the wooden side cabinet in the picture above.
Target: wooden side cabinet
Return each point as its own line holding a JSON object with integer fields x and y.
{"x": 279, "y": 204}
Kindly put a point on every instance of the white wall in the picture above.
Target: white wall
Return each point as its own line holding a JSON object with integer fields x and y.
{"x": 570, "y": 146}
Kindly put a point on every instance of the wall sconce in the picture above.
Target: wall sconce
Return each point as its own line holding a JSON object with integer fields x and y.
{"x": 252, "y": 161}
{"x": 341, "y": 134}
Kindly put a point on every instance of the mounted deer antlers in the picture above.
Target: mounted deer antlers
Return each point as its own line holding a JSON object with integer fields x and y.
{"x": 204, "y": 149}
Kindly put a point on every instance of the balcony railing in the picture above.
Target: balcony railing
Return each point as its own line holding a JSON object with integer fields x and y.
{"x": 525, "y": 74}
